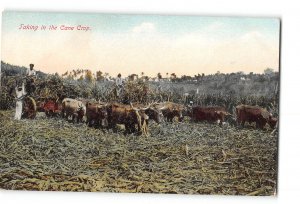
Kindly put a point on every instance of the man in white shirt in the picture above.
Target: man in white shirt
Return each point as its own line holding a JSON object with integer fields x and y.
{"x": 31, "y": 71}
{"x": 30, "y": 80}
{"x": 20, "y": 92}
{"x": 119, "y": 85}
{"x": 119, "y": 81}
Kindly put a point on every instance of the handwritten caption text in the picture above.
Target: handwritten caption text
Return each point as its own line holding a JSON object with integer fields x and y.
{"x": 54, "y": 27}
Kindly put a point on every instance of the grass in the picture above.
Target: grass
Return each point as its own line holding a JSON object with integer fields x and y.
{"x": 188, "y": 158}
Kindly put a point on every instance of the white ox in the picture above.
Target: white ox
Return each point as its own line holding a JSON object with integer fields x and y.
{"x": 74, "y": 108}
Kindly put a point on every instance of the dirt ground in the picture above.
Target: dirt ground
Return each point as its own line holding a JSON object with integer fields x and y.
{"x": 190, "y": 158}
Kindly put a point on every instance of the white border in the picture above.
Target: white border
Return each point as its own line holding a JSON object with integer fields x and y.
{"x": 289, "y": 169}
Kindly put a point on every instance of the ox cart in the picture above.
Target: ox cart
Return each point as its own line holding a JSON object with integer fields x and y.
{"x": 46, "y": 101}
{"x": 30, "y": 100}
{"x": 52, "y": 107}
{"x": 29, "y": 108}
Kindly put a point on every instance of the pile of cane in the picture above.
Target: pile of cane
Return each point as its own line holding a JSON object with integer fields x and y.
{"x": 52, "y": 154}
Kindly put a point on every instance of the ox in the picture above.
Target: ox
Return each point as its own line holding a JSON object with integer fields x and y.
{"x": 153, "y": 112}
{"x": 260, "y": 116}
{"x": 96, "y": 114}
{"x": 171, "y": 110}
{"x": 127, "y": 115}
{"x": 210, "y": 114}
{"x": 74, "y": 108}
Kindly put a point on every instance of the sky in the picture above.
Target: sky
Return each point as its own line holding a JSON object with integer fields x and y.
{"x": 126, "y": 44}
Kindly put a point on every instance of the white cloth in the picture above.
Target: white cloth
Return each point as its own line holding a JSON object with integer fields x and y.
{"x": 19, "y": 103}
{"x": 30, "y": 72}
{"x": 19, "y": 107}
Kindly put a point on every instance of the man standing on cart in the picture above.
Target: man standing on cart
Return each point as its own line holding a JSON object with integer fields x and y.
{"x": 31, "y": 71}
{"x": 30, "y": 79}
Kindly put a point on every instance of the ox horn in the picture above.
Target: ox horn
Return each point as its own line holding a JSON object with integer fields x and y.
{"x": 227, "y": 113}
{"x": 147, "y": 107}
{"x": 156, "y": 102}
{"x": 136, "y": 109}
{"x": 162, "y": 108}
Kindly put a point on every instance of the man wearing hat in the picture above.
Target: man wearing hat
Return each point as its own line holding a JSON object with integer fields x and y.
{"x": 30, "y": 75}
{"x": 31, "y": 71}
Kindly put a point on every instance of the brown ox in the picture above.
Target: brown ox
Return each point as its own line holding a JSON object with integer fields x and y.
{"x": 96, "y": 114}
{"x": 153, "y": 112}
{"x": 74, "y": 108}
{"x": 127, "y": 115}
{"x": 260, "y": 116}
{"x": 210, "y": 114}
{"x": 171, "y": 110}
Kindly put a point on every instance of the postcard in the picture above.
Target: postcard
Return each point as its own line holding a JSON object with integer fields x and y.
{"x": 139, "y": 103}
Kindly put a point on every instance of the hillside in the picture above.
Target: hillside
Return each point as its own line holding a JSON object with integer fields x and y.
{"x": 13, "y": 70}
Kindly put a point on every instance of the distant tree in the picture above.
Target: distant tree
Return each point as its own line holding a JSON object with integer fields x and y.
{"x": 159, "y": 76}
{"x": 185, "y": 78}
{"x": 80, "y": 78}
{"x": 65, "y": 74}
{"x": 241, "y": 73}
{"x": 106, "y": 75}
{"x": 132, "y": 77}
{"x": 268, "y": 71}
{"x": 70, "y": 76}
{"x": 74, "y": 73}
{"x": 173, "y": 77}
{"x": 99, "y": 76}
{"x": 251, "y": 74}
{"x": 88, "y": 75}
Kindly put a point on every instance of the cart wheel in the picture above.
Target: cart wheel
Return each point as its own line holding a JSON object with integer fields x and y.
{"x": 29, "y": 108}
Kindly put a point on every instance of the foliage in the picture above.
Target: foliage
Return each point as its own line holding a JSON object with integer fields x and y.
{"x": 226, "y": 90}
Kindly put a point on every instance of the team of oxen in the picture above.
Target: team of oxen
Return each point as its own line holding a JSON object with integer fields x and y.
{"x": 135, "y": 117}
